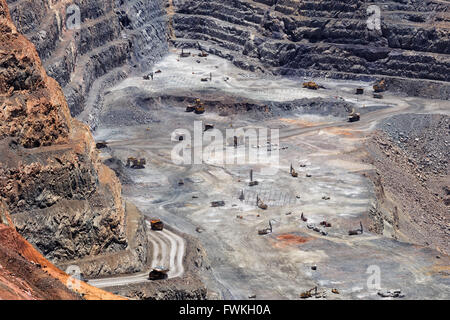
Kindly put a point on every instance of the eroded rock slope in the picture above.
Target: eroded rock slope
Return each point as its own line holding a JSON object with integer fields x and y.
{"x": 325, "y": 38}
{"x": 60, "y": 197}
{"x": 114, "y": 38}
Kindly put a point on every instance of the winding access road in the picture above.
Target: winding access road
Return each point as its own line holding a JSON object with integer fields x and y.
{"x": 168, "y": 250}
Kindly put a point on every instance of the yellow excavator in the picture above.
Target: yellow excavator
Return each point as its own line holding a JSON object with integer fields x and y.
{"x": 198, "y": 107}
{"x": 380, "y": 86}
{"x": 135, "y": 163}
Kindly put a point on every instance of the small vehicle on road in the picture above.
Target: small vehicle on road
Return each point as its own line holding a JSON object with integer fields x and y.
{"x": 158, "y": 273}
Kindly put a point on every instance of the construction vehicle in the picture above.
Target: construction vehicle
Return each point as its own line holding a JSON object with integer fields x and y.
{"x": 266, "y": 230}
{"x": 158, "y": 273}
{"x": 203, "y": 54}
{"x": 309, "y": 293}
{"x": 260, "y": 203}
{"x": 157, "y": 225}
{"x": 310, "y": 85}
{"x": 377, "y": 96}
{"x": 216, "y": 204}
{"x": 293, "y": 172}
{"x": 251, "y": 183}
{"x": 184, "y": 54}
{"x": 135, "y": 163}
{"x": 198, "y": 107}
{"x": 357, "y": 231}
{"x": 325, "y": 224}
{"x": 380, "y": 86}
{"x": 359, "y": 91}
{"x": 354, "y": 116}
{"x": 101, "y": 145}
{"x": 303, "y": 218}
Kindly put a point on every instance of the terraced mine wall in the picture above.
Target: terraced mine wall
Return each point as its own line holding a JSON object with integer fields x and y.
{"x": 326, "y": 39}
{"x": 60, "y": 196}
{"x": 112, "y": 40}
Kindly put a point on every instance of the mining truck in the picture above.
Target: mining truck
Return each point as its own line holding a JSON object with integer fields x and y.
{"x": 311, "y": 85}
{"x": 353, "y": 117}
{"x": 377, "y": 96}
{"x": 135, "y": 163}
{"x": 157, "y": 225}
{"x": 101, "y": 145}
{"x": 158, "y": 273}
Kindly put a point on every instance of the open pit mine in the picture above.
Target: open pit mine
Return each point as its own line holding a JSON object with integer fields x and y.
{"x": 225, "y": 150}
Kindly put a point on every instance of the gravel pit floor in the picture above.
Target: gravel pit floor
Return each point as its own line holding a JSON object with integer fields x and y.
{"x": 324, "y": 150}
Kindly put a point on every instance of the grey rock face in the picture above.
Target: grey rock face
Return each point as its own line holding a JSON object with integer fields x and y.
{"x": 324, "y": 38}
{"x": 115, "y": 38}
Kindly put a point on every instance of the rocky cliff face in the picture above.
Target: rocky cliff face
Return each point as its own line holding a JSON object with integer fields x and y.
{"x": 114, "y": 38}
{"x": 324, "y": 38}
{"x": 60, "y": 197}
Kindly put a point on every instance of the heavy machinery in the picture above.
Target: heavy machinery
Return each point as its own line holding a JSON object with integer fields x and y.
{"x": 208, "y": 127}
{"x": 380, "y": 86}
{"x": 198, "y": 107}
{"x": 203, "y": 54}
{"x": 266, "y": 230}
{"x": 293, "y": 172}
{"x": 135, "y": 163}
{"x": 310, "y": 85}
{"x": 101, "y": 145}
{"x": 158, "y": 273}
{"x": 377, "y": 96}
{"x": 260, "y": 203}
{"x": 251, "y": 183}
{"x": 216, "y": 204}
{"x": 184, "y": 54}
{"x": 157, "y": 225}
{"x": 353, "y": 116}
{"x": 357, "y": 231}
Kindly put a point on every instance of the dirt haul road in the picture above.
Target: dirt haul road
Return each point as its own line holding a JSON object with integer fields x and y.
{"x": 168, "y": 250}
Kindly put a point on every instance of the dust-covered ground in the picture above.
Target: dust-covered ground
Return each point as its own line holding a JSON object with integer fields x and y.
{"x": 144, "y": 119}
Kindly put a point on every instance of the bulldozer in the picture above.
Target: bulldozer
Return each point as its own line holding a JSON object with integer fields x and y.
{"x": 311, "y": 85}
{"x": 379, "y": 86}
{"x": 158, "y": 273}
{"x": 157, "y": 225}
{"x": 135, "y": 163}
{"x": 353, "y": 116}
